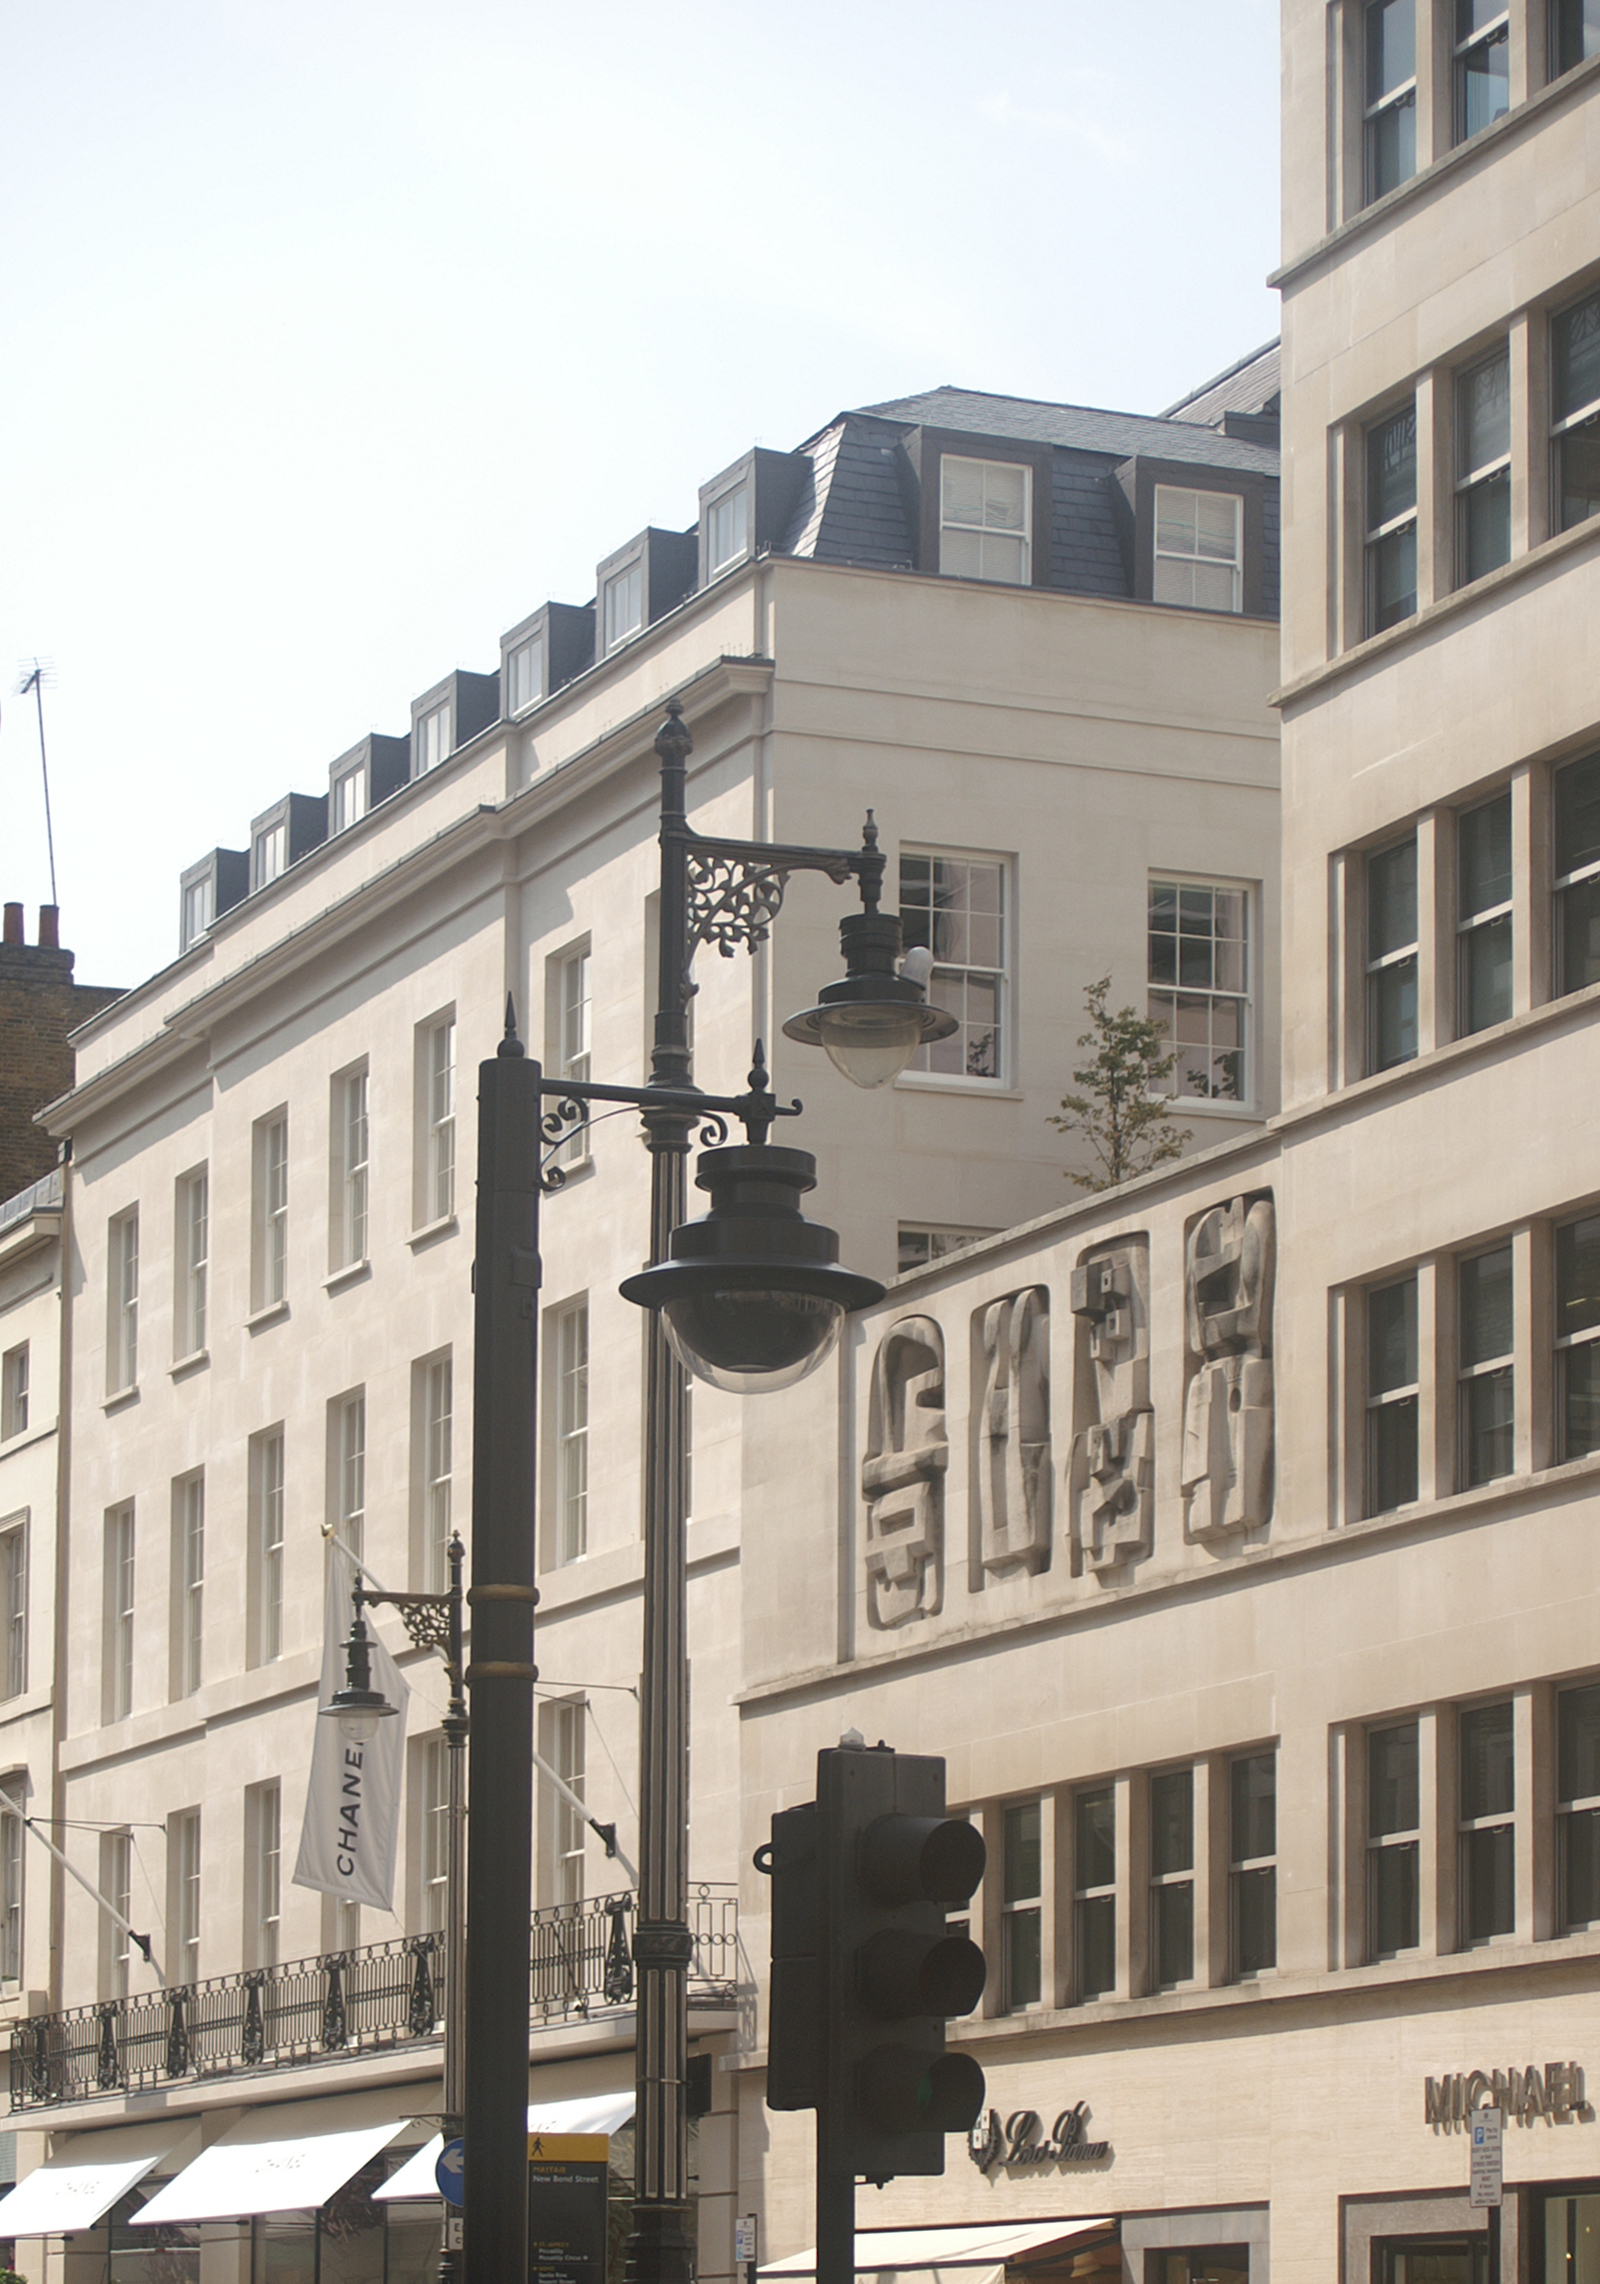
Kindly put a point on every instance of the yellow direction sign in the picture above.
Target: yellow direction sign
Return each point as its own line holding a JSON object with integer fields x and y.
{"x": 569, "y": 2148}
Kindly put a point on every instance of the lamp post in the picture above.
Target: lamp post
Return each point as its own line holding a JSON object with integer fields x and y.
{"x": 750, "y": 1296}
{"x": 433, "y": 1622}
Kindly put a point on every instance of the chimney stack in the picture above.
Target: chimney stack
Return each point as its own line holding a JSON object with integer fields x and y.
{"x": 14, "y": 924}
{"x": 49, "y": 927}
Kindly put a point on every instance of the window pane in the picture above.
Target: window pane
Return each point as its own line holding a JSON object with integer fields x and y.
{"x": 1488, "y": 1771}
{"x": 1577, "y": 32}
{"x": 1483, "y": 415}
{"x": 1097, "y": 1946}
{"x": 1174, "y": 1932}
{"x": 1172, "y": 1821}
{"x": 1391, "y": 1455}
{"x": 1175, "y": 520}
{"x": 1391, "y": 467}
{"x": 1391, "y": 45}
{"x": 1217, "y": 525}
{"x": 1004, "y": 497}
{"x": 1394, "y": 1015}
{"x": 1489, "y": 1859}
{"x": 1392, "y": 1899}
{"x": 1580, "y": 935}
{"x": 1255, "y": 1937}
{"x": 1391, "y": 899}
{"x": 963, "y": 490}
{"x": 1486, "y": 1306}
{"x": 1392, "y": 1337}
{"x": 1484, "y": 853}
{"x": 1579, "y": 1755}
{"x": 1575, "y": 358}
{"x": 1483, "y": 83}
{"x": 1392, "y": 1799}
{"x": 1255, "y": 1806}
{"x": 1020, "y": 1958}
{"x": 1392, "y": 145}
{"x": 1578, "y": 474}
{"x": 1486, "y": 525}
{"x": 1580, "y": 1868}
{"x": 1580, "y": 1400}
{"x": 1487, "y": 1426}
{"x": 1578, "y": 1276}
{"x": 1022, "y": 1851}
{"x": 1392, "y": 568}
{"x": 1096, "y": 1839}
{"x": 1486, "y": 975}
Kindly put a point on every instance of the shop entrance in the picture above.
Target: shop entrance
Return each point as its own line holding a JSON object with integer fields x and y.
{"x": 1431, "y": 2260}
{"x": 1207, "y": 2264}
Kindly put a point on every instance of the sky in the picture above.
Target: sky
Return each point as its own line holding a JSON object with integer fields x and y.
{"x": 337, "y": 336}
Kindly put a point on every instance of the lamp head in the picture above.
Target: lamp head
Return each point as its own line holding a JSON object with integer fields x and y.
{"x": 753, "y": 1297}
{"x": 358, "y": 1707}
{"x": 874, "y": 1019}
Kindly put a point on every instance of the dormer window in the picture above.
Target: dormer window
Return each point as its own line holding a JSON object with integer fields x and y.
{"x": 433, "y": 739}
{"x": 268, "y": 853}
{"x": 349, "y": 799}
{"x": 1199, "y": 557}
{"x": 199, "y": 909}
{"x": 728, "y": 530}
{"x": 525, "y": 675}
{"x": 623, "y": 605}
{"x": 985, "y": 520}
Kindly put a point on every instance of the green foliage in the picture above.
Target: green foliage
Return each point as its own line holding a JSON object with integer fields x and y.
{"x": 1127, "y": 1124}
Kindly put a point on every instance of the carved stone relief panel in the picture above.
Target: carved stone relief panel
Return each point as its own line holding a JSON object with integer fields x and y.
{"x": 1229, "y": 1265}
{"x": 1111, "y": 1478}
{"x": 1013, "y": 1432}
{"x": 902, "y": 1475}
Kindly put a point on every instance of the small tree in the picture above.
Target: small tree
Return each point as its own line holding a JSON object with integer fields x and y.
{"x": 1127, "y": 1124}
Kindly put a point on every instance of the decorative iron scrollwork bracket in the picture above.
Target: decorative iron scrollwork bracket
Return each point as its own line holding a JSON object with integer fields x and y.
{"x": 736, "y": 888}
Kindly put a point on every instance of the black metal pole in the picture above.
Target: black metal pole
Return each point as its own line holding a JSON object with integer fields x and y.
{"x": 658, "y": 2246}
{"x": 456, "y": 1731}
{"x": 836, "y": 2220}
{"x": 501, "y": 1675}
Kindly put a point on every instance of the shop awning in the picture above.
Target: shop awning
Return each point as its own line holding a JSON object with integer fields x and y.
{"x": 592, "y": 2113}
{"x": 275, "y": 2161}
{"x": 77, "y": 2188}
{"x": 973, "y": 2255}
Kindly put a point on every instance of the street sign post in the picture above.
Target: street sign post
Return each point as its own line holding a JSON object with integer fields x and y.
{"x": 1486, "y": 2128}
{"x": 449, "y": 2170}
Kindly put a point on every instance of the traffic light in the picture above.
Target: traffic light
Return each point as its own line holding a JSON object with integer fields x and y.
{"x": 865, "y": 1972}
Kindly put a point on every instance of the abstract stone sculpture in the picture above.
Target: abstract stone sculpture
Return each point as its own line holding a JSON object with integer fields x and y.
{"x": 902, "y": 1475}
{"x": 1111, "y": 1480}
{"x": 1228, "y": 1414}
{"x": 1013, "y": 1453}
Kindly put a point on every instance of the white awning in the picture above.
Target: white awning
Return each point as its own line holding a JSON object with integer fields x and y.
{"x": 75, "y": 2189}
{"x": 590, "y": 2113}
{"x": 274, "y": 2161}
{"x": 969, "y": 2255}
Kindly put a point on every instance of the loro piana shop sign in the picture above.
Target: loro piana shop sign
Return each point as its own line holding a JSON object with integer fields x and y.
{"x": 1553, "y": 2092}
{"x": 1021, "y": 2140}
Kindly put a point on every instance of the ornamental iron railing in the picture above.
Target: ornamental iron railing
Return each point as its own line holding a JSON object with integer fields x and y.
{"x": 344, "y": 2003}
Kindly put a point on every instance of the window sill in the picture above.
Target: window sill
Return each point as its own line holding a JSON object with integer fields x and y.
{"x": 431, "y": 1232}
{"x": 351, "y": 1274}
{"x": 948, "y": 1082}
{"x": 195, "y": 1361}
{"x": 1186, "y": 1106}
{"x": 26, "y": 1436}
{"x": 120, "y": 1400}
{"x": 271, "y": 1314}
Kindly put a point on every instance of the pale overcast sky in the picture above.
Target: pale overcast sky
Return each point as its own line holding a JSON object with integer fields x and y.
{"x": 339, "y": 335}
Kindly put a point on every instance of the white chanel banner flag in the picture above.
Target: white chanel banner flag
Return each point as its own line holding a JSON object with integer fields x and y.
{"x": 352, "y": 1823}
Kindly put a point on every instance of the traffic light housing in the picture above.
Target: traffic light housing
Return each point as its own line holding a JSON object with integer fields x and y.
{"x": 865, "y": 1971}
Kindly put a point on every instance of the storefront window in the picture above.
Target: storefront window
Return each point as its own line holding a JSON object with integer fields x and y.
{"x": 1212, "y": 2264}
{"x": 1435, "y": 2260}
{"x": 1572, "y": 2240}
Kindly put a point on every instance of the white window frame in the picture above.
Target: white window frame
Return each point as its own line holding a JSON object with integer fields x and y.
{"x": 191, "y": 1263}
{"x": 349, "y": 1456}
{"x": 264, "y": 1865}
{"x": 571, "y": 1038}
{"x": 434, "y": 746}
{"x": 13, "y": 1897}
{"x": 1470, "y": 924}
{"x": 1471, "y": 475}
{"x": 1495, "y": 33}
{"x": 269, "y": 854}
{"x": 1377, "y": 1400}
{"x": 727, "y": 529}
{"x": 1086, "y": 1893}
{"x": 983, "y": 529}
{"x": 565, "y": 1727}
{"x": 570, "y": 1356}
{"x": 1377, "y": 535}
{"x": 525, "y": 680}
{"x": 199, "y": 909}
{"x": 1487, "y": 1367}
{"x": 629, "y": 583}
{"x": 122, "y": 1303}
{"x": 1014, "y": 1909}
{"x": 433, "y": 1827}
{"x": 116, "y": 1886}
{"x": 1566, "y": 1343}
{"x": 1376, "y": 964}
{"x": 1177, "y": 1877}
{"x": 1243, "y": 1001}
{"x": 1193, "y": 558}
{"x": 14, "y": 1392}
{"x": 188, "y": 1582}
{"x": 1403, "y": 1836}
{"x": 183, "y": 1879}
{"x": 347, "y": 799}
{"x": 919, "y": 1073}
{"x": 1397, "y": 97}
{"x": 270, "y": 1216}
{"x": 267, "y": 1497}
{"x": 434, "y": 1396}
{"x": 352, "y": 1138}
{"x": 117, "y": 1639}
{"x": 14, "y": 1605}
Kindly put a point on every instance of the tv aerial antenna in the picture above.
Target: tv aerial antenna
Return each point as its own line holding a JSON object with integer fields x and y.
{"x": 35, "y": 675}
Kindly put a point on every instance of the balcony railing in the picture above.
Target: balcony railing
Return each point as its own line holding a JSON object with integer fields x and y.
{"x": 349, "y": 2002}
